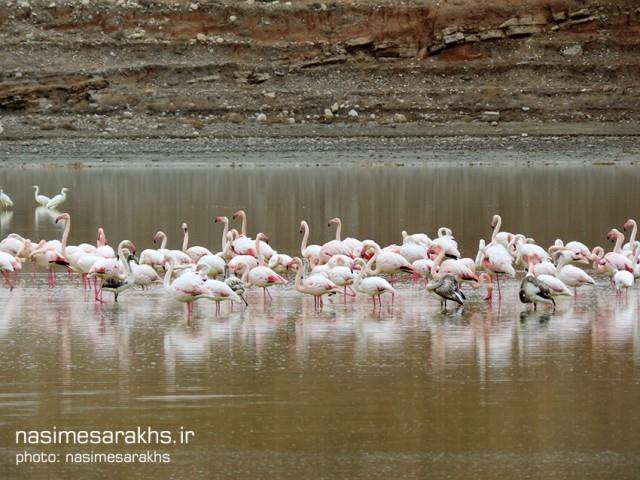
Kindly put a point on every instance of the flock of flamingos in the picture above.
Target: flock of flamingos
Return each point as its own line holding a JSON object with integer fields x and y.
{"x": 339, "y": 266}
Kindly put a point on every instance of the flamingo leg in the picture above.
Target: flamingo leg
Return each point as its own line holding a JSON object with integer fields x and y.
{"x": 267, "y": 291}
{"x": 6, "y": 279}
{"x": 499, "y": 291}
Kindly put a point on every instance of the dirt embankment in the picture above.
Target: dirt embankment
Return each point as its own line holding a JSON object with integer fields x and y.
{"x": 156, "y": 65}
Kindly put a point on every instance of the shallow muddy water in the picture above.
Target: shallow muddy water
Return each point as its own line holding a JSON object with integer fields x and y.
{"x": 284, "y": 391}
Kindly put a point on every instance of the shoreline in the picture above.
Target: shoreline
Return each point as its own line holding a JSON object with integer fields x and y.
{"x": 361, "y": 147}
{"x": 19, "y": 129}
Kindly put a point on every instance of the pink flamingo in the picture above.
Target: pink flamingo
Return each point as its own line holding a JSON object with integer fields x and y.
{"x": 386, "y": 262}
{"x": 372, "y": 286}
{"x": 314, "y": 285}
{"x": 458, "y": 268}
{"x": 9, "y": 264}
{"x": 261, "y": 276}
{"x": 307, "y": 250}
{"x": 187, "y": 288}
{"x": 334, "y": 247}
{"x": 194, "y": 253}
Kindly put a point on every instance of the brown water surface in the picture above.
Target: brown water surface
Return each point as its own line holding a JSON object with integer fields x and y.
{"x": 284, "y": 391}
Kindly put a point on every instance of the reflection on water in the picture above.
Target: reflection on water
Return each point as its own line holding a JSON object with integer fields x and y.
{"x": 491, "y": 390}
{"x": 284, "y": 391}
{"x": 546, "y": 202}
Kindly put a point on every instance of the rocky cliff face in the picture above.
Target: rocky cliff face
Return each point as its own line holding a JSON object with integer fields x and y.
{"x": 385, "y": 62}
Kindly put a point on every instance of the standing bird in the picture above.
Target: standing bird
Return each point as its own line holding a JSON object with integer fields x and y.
{"x": 187, "y": 288}
{"x": 59, "y": 199}
{"x": 533, "y": 291}
{"x": 314, "y": 285}
{"x": 125, "y": 281}
{"x": 5, "y": 201}
{"x": 237, "y": 286}
{"x": 194, "y": 253}
{"x": 622, "y": 279}
{"x": 220, "y": 292}
{"x": 41, "y": 200}
{"x": 446, "y": 288}
{"x": 261, "y": 276}
{"x": 8, "y": 264}
{"x": 372, "y": 286}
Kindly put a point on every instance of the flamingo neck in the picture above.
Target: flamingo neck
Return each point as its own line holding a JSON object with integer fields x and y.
{"x": 619, "y": 239}
{"x": 258, "y": 253}
{"x": 305, "y": 237}
{"x": 65, "y": 235}
{"x": 163, "y": 245}
{"x": 634, "y": 230}
{"x": 245, "y": 275}
{"x": 496, "y": 229}
{"x": 185, "y": 240}
{"x": 339, "y": 230}
{"x": 225, "y": 230}
{"x": 167, "y": 276}
{"x": 437, "y": 262}
{"x": 243, "y": 228}
{"x": 37, "y": 188}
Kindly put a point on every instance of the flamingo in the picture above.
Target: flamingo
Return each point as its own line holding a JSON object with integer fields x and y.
{"x": 575, "y": 246}
{"x": 372, "y": 286}
{"x": 5, "y": 201}
{"x": 261, "y": 276}
{"x": 610, "y": 262}
{"x": 102, "y": 249}
{"x": 54, "y": 252}
{"x": 226, "y": 239}
{"x": 239, "y": 261}
{"x": 58, "y": 200}
{"x": 446, "y": 241}
{"x": 211, "y": 266}
{"x": 307, "y": 250}
{"x": 142, "y": 275}
{"x": 220, "y": 292}
{"x": 314, "y": 285}
{"x": 123, "y": 281}
{"x": 12, "y": 244}
{"x": 416, "y": 238}
{"x": 622, "y": 279}
{"x": 459, "y": 269}
{"x": 525, "y": 248}
{"x": 8, "y": 264}
{"x": 279, "y": 262}
{"x": 353, "y": 245}
{"x": 446, "y": 287}
{"x": 179, "y": 256}
{"x": 244, "y": 245}
{"x": 194, "y": 253}
{"x": 236, "y": 285}
{"x": 495, "y": 256}
{"x": 503, "y": 238}
{"x": 532, "y": 291}
{"x": 334, "y": 247}
{"x": 627, "y": 249}
{"x": 187, "y": 288}
{"x": 41, "y": 200}
{"x": 571, "y": 275}
{"x": 106, "y": 268}
{"x": 413, "y": 249}
{"x": 387, "y": 262}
